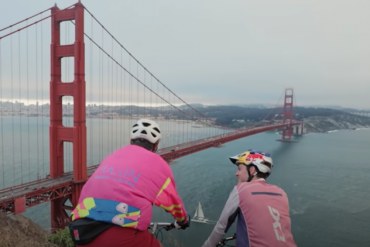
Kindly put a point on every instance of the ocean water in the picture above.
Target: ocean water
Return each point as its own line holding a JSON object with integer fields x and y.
{"x": 324, "y": 175}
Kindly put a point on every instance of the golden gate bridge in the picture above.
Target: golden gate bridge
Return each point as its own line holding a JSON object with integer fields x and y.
{"x": 66, "y": 104}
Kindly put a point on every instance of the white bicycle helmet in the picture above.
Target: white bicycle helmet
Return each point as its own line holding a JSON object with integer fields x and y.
{"x": 261, "y": 160}
{"x": 146, "y": 129}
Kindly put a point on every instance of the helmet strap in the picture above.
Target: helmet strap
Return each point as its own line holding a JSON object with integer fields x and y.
{"x": 249, "y": 173}
{"x": 155, "y": 148}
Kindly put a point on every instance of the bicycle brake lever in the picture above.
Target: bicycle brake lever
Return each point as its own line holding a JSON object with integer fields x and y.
{"x": 167, "y": 228}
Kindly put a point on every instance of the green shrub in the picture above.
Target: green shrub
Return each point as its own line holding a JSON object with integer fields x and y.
{"x": 61, "y": 238}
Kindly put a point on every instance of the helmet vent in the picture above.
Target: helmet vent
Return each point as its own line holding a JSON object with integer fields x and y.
{"x": 135, "y": 125}
{"x": 153, "y": 135}
{"x": 134, "y": 131}
{"x": 146, "y": 124}
{"x": 268, "y": 164}
{"x": 144, "y": 132}
{"x": 156, "y": 129}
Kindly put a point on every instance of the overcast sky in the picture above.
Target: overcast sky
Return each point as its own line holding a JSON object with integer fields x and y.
{"x": 238, "y": 51}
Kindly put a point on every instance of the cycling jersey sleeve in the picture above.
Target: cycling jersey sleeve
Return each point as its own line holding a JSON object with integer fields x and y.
{"x": 168, "y": 199}
{"x": 227, "y": 218}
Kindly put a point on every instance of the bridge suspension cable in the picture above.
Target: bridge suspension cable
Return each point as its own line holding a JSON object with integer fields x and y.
{"x": 114, "y": 73}
{"x": 26, "y": 19}
{"x": 28, "y": 25}
{"x": 272, "y": 109}
{"x": 139, "y": 63}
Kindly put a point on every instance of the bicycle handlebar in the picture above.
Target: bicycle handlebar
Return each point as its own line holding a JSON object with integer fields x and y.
{"x": 166, "y": 225}
{"x": 224, "y": 241}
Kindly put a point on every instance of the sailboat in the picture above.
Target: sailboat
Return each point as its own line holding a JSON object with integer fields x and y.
{"x": 199, "y": 215}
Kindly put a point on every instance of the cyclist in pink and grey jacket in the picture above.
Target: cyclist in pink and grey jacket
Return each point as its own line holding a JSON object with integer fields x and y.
{"x": 262, "y": 209}
{"x": 115, "y": 206}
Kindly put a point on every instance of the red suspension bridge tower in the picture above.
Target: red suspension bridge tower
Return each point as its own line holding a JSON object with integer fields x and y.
{"x": 288, "y": 116}
{"x": 59, "y": 133}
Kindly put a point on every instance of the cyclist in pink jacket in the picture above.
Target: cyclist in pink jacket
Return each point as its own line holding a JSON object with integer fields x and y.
{"x": 115, "y": 206}
{"x": 262, "y": 209}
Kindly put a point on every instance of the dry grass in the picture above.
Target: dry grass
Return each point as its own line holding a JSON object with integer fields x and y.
{"x": 18, "y": 231}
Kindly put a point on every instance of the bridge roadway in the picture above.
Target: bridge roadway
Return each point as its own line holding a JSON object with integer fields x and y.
{"x": 47, "y": 189}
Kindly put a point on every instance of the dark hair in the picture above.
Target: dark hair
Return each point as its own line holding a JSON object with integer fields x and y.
{"x": 262, "y": 175}
{"x": 143, "y": 143}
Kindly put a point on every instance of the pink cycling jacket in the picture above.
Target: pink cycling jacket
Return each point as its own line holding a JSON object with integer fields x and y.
{"x": 125, "y": 186}
{"x": 263, "y": 217}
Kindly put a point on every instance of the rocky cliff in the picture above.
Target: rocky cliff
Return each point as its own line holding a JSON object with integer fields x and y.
{"x": 19, "y": 231}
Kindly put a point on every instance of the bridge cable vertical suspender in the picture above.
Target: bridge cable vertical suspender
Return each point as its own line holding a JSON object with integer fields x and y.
{"x": 42, "y": 100}
{"x": 144, "y": 80}
{"x": 137, "y": 90}
{"x": 20, "y": 105}
{"x": 168, "y": 119}
{"x": 1, "y": 121}
{"x": 110, "y": 101}
{"x": 126, "y": 97}
{"x": 37, "y": 102}
{"x": 164, "y": 109}
{"x": 100, "y": 102}
{"x": 177, "y": 125}
{"x": 130, "y": 89}
{"x": 107, "y": 100}
{"x": 182, "y": 127}
{"x": 158, "y": 106}
{"x": 91, "y": 141}
{"x": 28, "y": 109}
{"x": 117, "y": 109}
{"x": 102, "y": 144}
{"x": 12, "y": 107}
{"x": 151, "y": 94}
{"x": 189, "y": 129}
{"x": 113, "y": 103}
{"x": 186, "y": 128}
{"x": 123, "y": 136}
{"x": 172, "y": 126}
{"x": 59, "y": 133}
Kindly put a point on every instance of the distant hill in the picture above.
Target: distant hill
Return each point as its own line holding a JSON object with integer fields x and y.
{"x": 227, "y": 115}
{"x": 340, "y": 108}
